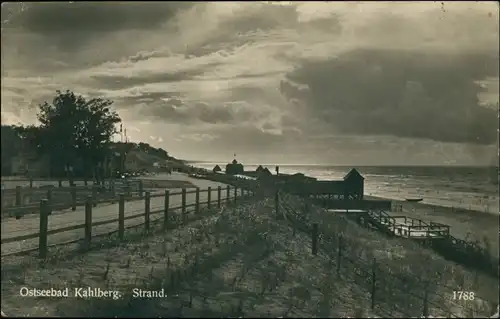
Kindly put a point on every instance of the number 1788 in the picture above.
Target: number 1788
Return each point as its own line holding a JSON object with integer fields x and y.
{"x": 463, "y": 295}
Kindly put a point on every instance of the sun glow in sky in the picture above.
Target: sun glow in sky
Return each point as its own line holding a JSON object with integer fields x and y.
{"x": 335, "y": 83}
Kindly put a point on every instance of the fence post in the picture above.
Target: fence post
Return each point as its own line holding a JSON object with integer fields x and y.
{"x": 94, "y": 195}
{"x": 165, "y": 209}
{"x": 141, "y": 189}
{"x": 128, "y": 189}
{"x": 197, "y": 203}
{"x": 49, "y": 199}
{"x": 49, "y": 195}
{"x": 44, "y": 225}
{"x": 18, "y": 196}
{"x": 31, "y": 182}
{"x": 121, "y": 217}
{"x": 183, "y": 210}
{"x": 235, "y": 193}
{"x": 73, "y": 198}
{"x": 147, "y": 210}
{"x": 219, "y": 189}
{"x": 339, "y": 255}
{"x": 228, "y": 195}
{"x": 209, "y": 200}
{"x": 88, "y": 222}
{"x": 425, "y": 311}
{"x": 277, "y": 204}
{"x": 374, "y": 270}
{"x": 314, "y": 239}
{"x": 112, "y": 189}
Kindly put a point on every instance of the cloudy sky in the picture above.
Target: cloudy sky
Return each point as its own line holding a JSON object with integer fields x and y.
{"x": 331, "y": 83}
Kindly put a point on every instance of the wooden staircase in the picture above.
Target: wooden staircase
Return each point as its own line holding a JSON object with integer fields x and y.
{"x": 403, "y": 226}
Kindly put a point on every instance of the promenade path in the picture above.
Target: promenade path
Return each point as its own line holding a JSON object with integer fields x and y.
{"x": 29, "y": 224}
{"x": 11, "y": 182}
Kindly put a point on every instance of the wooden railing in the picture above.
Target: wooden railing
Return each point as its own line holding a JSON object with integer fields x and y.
{"x": 45, "y": 210}
{"x": 25, "y": 196}
{"x": 382, "y": 218}
{"x": 70, "y": 197}
{"x": 382, "y": 285}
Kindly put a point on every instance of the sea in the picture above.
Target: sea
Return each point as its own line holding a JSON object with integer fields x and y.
{"x": 473, "y": 188}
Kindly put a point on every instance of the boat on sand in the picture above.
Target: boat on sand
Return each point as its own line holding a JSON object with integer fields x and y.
{"x": 414, "y": 200}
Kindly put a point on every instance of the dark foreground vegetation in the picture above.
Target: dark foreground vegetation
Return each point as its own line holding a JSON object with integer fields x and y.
{"x": 246, "y": 261}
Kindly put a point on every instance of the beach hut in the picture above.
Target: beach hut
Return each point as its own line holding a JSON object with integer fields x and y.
{"x": 216, "y": 169}
{"x": 263, "y": 173}
{"x": 235, "y": 168}
{"x": 354, "y": 185}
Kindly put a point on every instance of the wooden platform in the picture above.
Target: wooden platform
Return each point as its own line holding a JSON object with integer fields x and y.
{"x": 353, "y": 204}
{"x": 401, "y": 226}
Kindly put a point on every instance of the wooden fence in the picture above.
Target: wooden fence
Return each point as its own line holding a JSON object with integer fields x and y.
{"x": 352, "y": 203}
{"x": 390, "y": 294}
{"x": 21, "y": 196}
{"x": 45, "y": 209}
{"x": 466, "y": 253}
{"x": 27, "y": 200}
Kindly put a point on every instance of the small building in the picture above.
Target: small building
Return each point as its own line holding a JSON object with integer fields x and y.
{"x": 29, "y": 164}
{"x": 235, "y": 168}
{"x": 297, "y": 183}
{"x": 350, "y": 187}
{"x": 264, "y": 173}
{"x": 354, "y": 184}
{"x": 261, "y": 172}
{"x": 19, "y": 165}
{"x": 216, "y": 169}
{"x": 132, "y": 162}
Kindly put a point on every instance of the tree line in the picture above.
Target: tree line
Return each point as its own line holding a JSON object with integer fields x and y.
{"x": 74, "y": 135}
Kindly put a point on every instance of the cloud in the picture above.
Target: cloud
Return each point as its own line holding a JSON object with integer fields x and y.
{"x": 327, "y": 81}
{"x": 70, "y": 24}
{"x": 158, "y": 139}
{"x": 399, "y": 93}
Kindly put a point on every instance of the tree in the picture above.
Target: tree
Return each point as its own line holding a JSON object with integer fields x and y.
{"x": 31, "y": 136}
{"x": 11, "y": 146}
{"x": 73, "y": 128}
{"x": 163, "y": 153}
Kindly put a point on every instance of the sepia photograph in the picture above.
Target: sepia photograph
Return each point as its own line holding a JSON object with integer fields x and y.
{"x": 265, "y": 159}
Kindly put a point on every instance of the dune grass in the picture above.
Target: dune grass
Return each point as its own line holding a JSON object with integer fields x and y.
{"x": 240, "y": 262}
{"x": 405, "y": 270}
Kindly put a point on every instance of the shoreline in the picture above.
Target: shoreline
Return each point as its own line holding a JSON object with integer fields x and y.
{"x": 464, "y": 223}
{"x": 488, "y": 207}
{"x": 454, "y": 209}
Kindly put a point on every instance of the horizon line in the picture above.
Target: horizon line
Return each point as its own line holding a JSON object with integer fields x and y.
{"x": 346, "y": 165}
